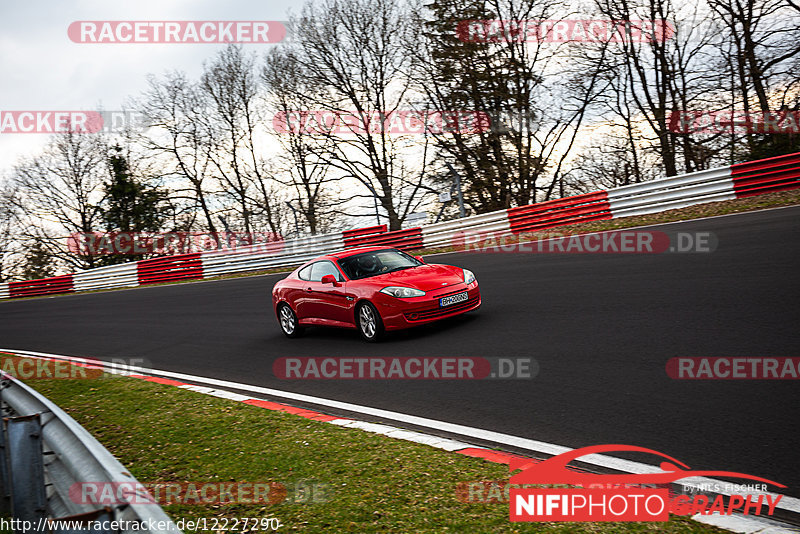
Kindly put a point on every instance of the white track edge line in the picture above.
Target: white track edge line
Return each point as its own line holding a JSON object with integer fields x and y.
{"x": 791, "y": 504}
{"x": 746, "y": 524}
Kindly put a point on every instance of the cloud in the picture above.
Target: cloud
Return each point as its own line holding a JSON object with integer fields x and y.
{"x": 43, "y": 70}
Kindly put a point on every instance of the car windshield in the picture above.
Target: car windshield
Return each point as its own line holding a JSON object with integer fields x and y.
{"x": 377, "y": 262}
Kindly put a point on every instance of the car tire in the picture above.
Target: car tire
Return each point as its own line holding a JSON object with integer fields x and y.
{"x": 369, "y": 322}
{"x": 287, "y": 320}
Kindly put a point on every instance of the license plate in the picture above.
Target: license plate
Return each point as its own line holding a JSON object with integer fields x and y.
{"x": 453, "y": 299}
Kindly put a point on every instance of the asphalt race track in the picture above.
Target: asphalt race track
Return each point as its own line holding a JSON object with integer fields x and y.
{"x": 602, "y": 328}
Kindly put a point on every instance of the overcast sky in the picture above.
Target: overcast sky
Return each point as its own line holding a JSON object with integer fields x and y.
{"x": 42, "y": 69}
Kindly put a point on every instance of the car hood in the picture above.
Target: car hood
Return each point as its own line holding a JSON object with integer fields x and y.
{"x": 425, "y": 277}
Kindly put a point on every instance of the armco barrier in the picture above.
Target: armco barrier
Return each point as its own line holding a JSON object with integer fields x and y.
{"x": 712, "y": 185}
{"x": 408, "y": 239}
{"x": 113, "y": 276}
{"x": 254, "y": 258}
{"x": 63, "y": 454}
{"x": 445, "y": 234}
{"x": 170, "y": 269}
{"x": 44, "y": 286}
{"x": 569, "y": 210}
{"x": 766, "y": 175}
{"x": 351, "y": 236}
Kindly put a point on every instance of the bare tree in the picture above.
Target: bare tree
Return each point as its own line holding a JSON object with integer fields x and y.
{"x": 300, "y": 167}
{"x": 173, "y": 108}
{"x": 236, "y": 133}
{"x": 763, "y": 61}
{"x": 9, "y": 234}
{"x": 622, "y": 139}
{"x": 476, "y": 57}
{"x": 60, "y": 192}
{"x": 352, "y": 50}
{"x": 611, "y": 160}
{"x": 668, "y": 73}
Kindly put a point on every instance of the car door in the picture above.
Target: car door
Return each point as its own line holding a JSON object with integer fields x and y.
{"x": 296, "y": 292}
{"x": 325, "y": 302}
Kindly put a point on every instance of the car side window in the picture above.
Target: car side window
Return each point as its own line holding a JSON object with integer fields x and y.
{"x": 321, "y": 268}
{"x": 305, "y": 273}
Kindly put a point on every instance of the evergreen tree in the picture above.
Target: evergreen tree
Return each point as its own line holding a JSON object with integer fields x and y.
{"x": 130, "y": 205}
{"x": 38, "y": 262}
{"x": 776, "y": 143}
{"x": 470, "y": 68}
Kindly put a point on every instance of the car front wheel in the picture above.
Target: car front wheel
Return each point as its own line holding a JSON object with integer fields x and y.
{"x": 288, "y": 321}
{"x": 369, "y": 322}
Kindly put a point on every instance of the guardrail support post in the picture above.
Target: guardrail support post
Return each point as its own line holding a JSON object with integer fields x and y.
{"x": 26, "y": 467}
{"x": 5, "y": 483}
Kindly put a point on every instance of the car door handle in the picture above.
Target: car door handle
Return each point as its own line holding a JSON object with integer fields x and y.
{"x": 308, "y": 289}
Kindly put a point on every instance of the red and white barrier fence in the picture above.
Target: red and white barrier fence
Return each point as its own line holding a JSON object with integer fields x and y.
{"x": 723, "y": 183}
{"x": 44, "y": 286}
{"x": 113, "y": 276}
{"x": 712, "y": 185}
{"x": 766, "y": 175}
{"x": 568, "y": 210}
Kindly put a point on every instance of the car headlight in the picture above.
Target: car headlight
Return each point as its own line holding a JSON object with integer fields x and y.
{"x": 402, "y": 292}
{"x": 468, "y": 276}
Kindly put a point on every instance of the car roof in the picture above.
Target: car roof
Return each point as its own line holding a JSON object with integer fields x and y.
{"x": 359, "y": 250}
{"x": 344, "y": 254}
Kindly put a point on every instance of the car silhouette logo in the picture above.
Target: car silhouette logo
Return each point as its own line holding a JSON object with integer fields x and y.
{"x": 554, "y": 470}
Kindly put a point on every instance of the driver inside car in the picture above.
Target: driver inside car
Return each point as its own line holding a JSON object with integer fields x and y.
{"x": 368, "y": 264}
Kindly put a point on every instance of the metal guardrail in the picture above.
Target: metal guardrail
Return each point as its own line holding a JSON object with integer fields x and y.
{"x": 42, "y": 286}
{"x": 674, "y": 192}
{"x": 113, "y": 276}
{"x": 405, "y": 239}
{"x": 444, "y": 234}
{"x": 254, "y": 257}
{"x": 766, "y": 175}
{"x": 561, "y": 211}
{"x": 712, "y": 185}
{"x": 43, "y": 452}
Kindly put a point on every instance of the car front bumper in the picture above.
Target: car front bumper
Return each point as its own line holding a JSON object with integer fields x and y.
{"x": 406, "y": 313}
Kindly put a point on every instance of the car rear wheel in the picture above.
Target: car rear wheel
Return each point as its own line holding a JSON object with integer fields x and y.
{"x": 369, "y": 322}
{"x": 288, "y": 321}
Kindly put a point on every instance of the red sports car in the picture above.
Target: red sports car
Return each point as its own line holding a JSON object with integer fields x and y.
{"x": 372, "y": 289}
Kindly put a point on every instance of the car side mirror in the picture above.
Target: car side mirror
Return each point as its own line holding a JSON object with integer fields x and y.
{"x": 329, "y": 279}
{"x": 419, "y": 259}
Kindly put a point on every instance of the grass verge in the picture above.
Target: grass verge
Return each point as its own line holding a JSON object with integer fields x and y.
{"x": 371, "y": 483}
